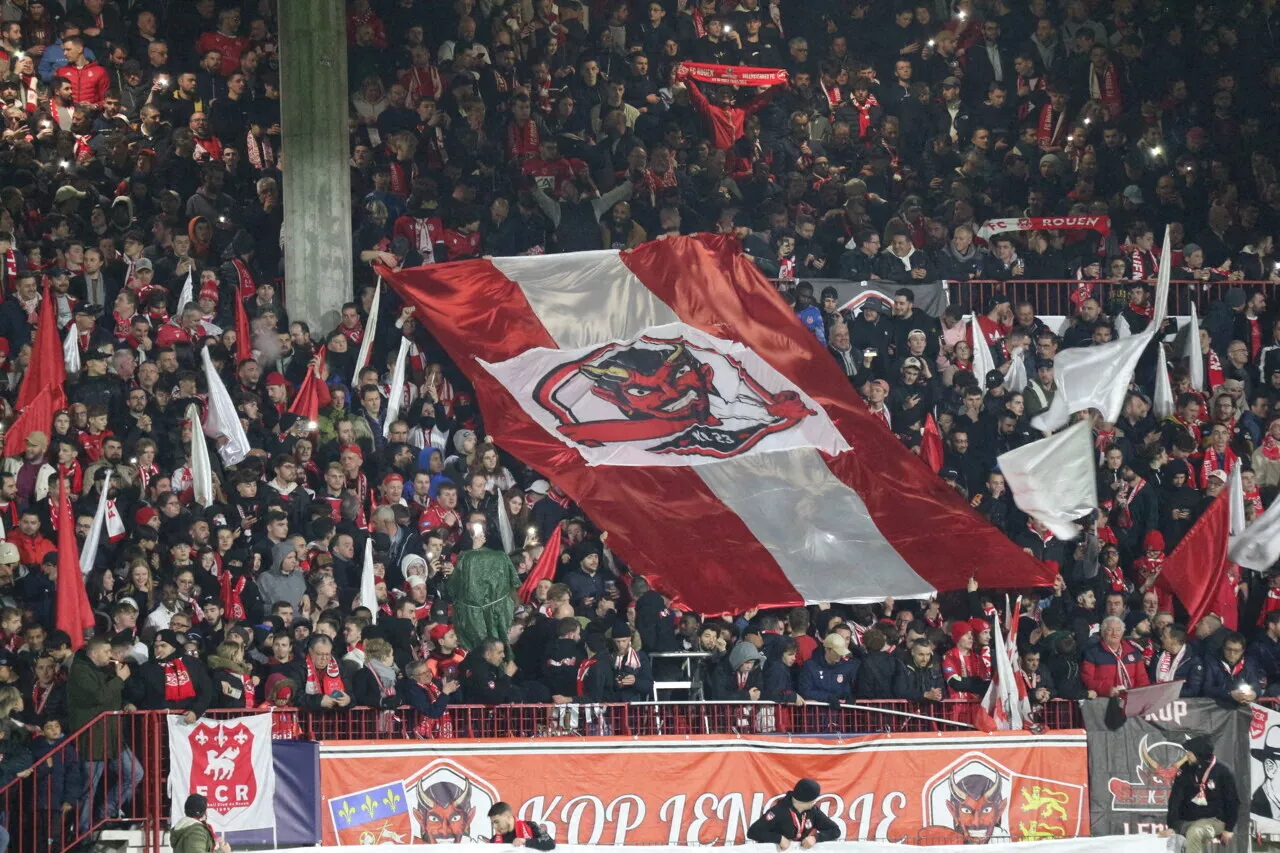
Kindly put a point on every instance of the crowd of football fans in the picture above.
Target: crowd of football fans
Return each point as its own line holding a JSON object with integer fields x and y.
{"x": 141, "y": 145}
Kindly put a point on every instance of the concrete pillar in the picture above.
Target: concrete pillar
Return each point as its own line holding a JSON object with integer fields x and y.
{"x": 317, "y": 180}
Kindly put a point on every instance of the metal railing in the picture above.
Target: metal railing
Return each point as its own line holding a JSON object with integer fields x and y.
{"x": 121, "y": 759}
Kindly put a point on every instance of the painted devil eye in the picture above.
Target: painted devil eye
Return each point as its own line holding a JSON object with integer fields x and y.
{"x": 639, "y": 392}
{"x": 682, "y": 371}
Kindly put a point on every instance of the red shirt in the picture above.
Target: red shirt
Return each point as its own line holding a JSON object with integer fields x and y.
{"x": 229, "y": 46}
{"x": 461, "y": 245}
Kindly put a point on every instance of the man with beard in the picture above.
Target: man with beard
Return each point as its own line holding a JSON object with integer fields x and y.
{"x": 907, "y": 318}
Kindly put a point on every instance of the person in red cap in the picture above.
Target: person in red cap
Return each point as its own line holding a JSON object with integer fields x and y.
{"x": 147, "y": 517}
{"x": 982, "y": 642}
{"x": 1149, "y": 566}
{"x": 277, "y": 394}
{"x": 447, "y": 654}
{"x": 962, "y": 668}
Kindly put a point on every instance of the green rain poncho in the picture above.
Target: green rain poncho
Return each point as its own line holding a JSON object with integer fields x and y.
{"x": 481, "y": 589}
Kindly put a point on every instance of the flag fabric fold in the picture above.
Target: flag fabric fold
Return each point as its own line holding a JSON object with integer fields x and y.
{"x": 1016, "y": 378}
{"x": 1162, "y": 403}
{"x": 505, "y": 533}
{"x": 1163, "y": 273}
{"x": 1235, "y": 492}
{"x": 74, "y": 614}
{"x": 1004, "y": 704}
{"x": 931, "y": 444}
{"x": 1195, "y": 359}
{"x": 42, "y": 391}
{"x": 368, "y": 596}
{"x": 544, "y": 569}
{"x": 221, "y": 419}
{"x": 983, "y": 363}
{"x": 89, "y": 553}
{"x": 370, "y": 330}
{"x": 201, "y": 469}
{"x": 188, "y": 294}
{"x": 1092, "y": 378}
{"x": 71, "y": 351}
{"x": 1054, "y": 480}
{"x": 244, "y": 334}
{"x": 313, "y": 393}
{"x": 678, "y": 400}
{"x": 396, "y": 394}
{"x": 1198, "y": 571}
{"x": 1258, "y": 546}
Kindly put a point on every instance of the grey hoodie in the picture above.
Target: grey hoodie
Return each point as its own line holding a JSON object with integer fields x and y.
{"x": 275, "y": 585}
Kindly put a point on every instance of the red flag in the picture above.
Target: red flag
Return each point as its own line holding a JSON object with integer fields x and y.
{"x": 244, "y": 339}
{"x": 38, "y": 415}
{"x": 931, "y": 444}
{"x": 545, "y": 568}
{"x": 74, "y": 615}
{"x": 313, "y": 393}
{"x": 1198, "y": 570}
{"x": 47, "y": 365}
{"x": 677, "y": 399}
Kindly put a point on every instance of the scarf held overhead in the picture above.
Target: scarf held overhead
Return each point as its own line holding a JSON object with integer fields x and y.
{"x": 732, "y": 75}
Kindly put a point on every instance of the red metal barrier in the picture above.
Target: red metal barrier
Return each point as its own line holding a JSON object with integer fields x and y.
{"x": 131, "y": 789}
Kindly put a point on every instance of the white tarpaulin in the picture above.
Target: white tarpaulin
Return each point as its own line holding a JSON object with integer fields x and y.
{"x": 229, "y": 761}
{"x": 1092, "y": 378}
{"x": 368, "y": 596}
{"x": 1053, "y": 480}
{"x": 1111, "y": 844}
{"x": 89, "y": 551}
{"x": 222, "y": 420}
{"x": 201, "y": 469}
{"x": 370, "y": 329}
{"x": 1192, "y": 353}
{"x": 397, "y": 387}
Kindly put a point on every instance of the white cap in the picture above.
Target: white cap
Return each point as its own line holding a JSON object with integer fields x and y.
{"x": 539, "y": 487}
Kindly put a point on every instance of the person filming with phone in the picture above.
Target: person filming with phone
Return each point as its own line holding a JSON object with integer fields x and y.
{"x": 326, "y": 688}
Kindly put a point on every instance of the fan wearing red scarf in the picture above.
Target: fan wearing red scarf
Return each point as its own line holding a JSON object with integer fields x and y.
{"x": 172, "y": 681}
{"x": 1114, "y": 664}
{"x": 325, "y": 689}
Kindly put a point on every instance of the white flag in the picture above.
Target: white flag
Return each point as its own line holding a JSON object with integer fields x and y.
{"x": 1162, "y": 283}
{"x": 187, "y": 296}
{"x": 504, "y": 525}
{"x": 368, "y": 596}
{"x": 1193, "y": 354}
{"x": 89, "y": 551}
{"x": 1092, "y": 378}
{"x": 222, "y": 418}
{"x": 71, "y": 350}
{"x": 228, "y": 760}
{"x": 1162, "y": 404}
{"x": 1002, "y": 701}
{"x": 201, "y": 470}
{"x": 1016, "y": 378}
{"x": 1235, "y": 492}
{"x": 370, "y": 327}
{"x": 982, "y": 363}
{"x": 1054, "y": 480}
{"x": 1258, "y": 547}
{"x": 397, "y": 386}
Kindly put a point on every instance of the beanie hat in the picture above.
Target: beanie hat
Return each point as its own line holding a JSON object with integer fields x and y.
{"x": 144, "y": 515}
{"x": 959, "y": 629}
{"x": 1153, "y": 541}
{"x": 979, "y": 625}
{"x": 438, "y": 631}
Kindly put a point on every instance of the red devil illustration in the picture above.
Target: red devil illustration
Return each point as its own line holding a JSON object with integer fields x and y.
{"x": 976, "y": 805}
{"x": 669, "y": 392}
{"x": 444, "y": 812}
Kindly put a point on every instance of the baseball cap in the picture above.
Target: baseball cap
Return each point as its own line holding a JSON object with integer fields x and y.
{"x": 142, "y": 264}
{"x": 9, "y": 553}
{"x": 539, "y": 487}
{"x": 1133, "y": 193}
{"x": 67, "y": 193}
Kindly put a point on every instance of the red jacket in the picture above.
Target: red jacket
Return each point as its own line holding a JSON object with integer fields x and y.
{"x": 88, "y": 84}
{"x": 1100, "y": 668}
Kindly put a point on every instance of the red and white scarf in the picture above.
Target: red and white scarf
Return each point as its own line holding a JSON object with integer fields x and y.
{"x": 246, "y": 287}
{"x": 1168, "y": 665}
{"x": 325, "y": 683}
{"x": 864, "y": 115}
{"x": 1052, "y": 128}
{"x": 232, "y": 602}
{"x": 1215, "y": 461}
{"x": 1125, "y": 680}
{"x": 1106, "y": 88}
{"x": 209, "y": 148}
{"x": 630, "y": 660}
{"x": 1129, "y": 491}
{"x": 261, "y": 154}
{"x": 177, "y": 681}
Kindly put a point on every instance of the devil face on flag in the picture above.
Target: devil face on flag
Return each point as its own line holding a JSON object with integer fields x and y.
{"x": 675, "y": 397}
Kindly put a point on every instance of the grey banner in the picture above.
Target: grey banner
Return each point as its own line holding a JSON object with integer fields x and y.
{"x": 930, "y": 297}
{"x": 1132, "y": 761}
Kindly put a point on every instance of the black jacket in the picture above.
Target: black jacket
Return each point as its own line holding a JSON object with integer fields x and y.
{"x": 151, "y": 676}
{"x": 783, "y": 821}
{"x": 877, "y": 676}
{"x": 912, "y": 683}
{"x": 1221, "y": 798}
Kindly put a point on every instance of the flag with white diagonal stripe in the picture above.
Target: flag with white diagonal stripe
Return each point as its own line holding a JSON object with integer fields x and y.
{"x": 674, "y": 395}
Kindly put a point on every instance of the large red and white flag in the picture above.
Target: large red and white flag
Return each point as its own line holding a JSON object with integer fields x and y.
{"x": 228, "y": 760}
{"x": 674, "y": 395}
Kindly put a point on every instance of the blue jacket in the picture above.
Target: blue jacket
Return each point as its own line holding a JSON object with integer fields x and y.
{"x": 1218, "y": 682}
{"x": 54, "y": 58}
{"x": 827, "y": 682}
{"x": 1190, "y": 669}
{"x": 61, "y": 783}
{"x": 812, "y": 319}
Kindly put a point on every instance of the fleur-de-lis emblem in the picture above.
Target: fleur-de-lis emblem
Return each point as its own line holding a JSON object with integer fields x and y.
{"x": 392, "y": 799}
{"x": 346, "y": 812}
{"x": 369, "y": 805}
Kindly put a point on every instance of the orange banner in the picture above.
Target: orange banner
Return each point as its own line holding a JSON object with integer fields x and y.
{"x": 934, "y": 788}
